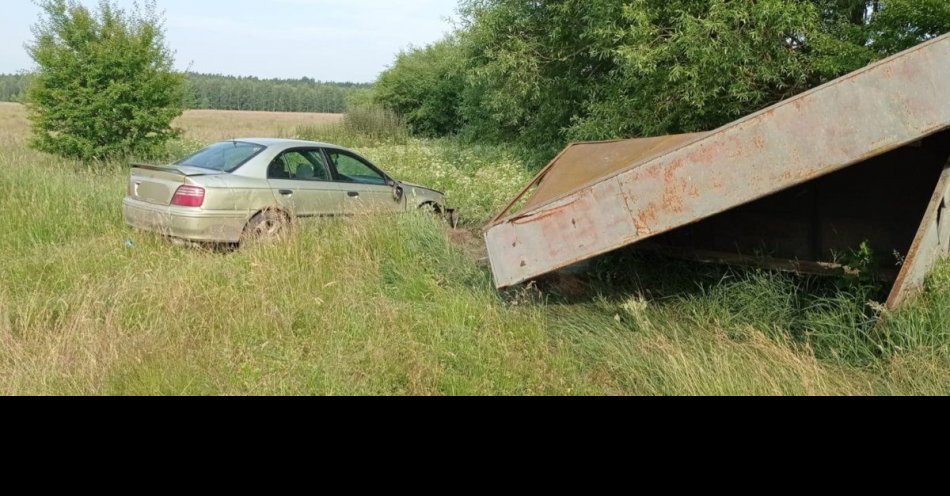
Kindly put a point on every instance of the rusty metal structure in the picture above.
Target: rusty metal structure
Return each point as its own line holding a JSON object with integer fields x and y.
{"x": 861, "y": 159}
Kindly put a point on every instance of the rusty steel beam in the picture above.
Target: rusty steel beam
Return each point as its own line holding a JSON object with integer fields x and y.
{"x": 872, "y": 111}
{"x": 765, "y": 262}
{"x": 930, "y": 246}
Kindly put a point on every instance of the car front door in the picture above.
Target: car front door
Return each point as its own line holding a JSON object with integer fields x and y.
{"x": 303, "y": 184}
{"x": 367, "y": 188}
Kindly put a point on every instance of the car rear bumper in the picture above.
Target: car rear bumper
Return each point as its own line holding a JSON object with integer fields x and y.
{"x": 186, "y": 223}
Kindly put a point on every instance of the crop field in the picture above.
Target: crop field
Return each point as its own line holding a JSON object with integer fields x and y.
{"x": 215, "y": 125}
{"x": 404, "y": 305}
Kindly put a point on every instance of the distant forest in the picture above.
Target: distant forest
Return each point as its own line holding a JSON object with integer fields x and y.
{"x": 12, "y": 87}
{"x": 206, "y": 91}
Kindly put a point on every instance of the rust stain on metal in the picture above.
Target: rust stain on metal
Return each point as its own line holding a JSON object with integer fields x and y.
{"x": 646, "y": 218}
{"x": 597, "y": 197}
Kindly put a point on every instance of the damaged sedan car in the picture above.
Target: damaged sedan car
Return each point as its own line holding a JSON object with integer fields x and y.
{"x": 244, "y": 189}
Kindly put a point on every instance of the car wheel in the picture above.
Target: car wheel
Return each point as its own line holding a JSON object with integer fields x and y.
{"x": 267, "y": 226}
{"x": 431, "y": 208}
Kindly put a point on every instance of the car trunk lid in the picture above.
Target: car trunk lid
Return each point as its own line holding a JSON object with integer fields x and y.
{"x": 157, "y": 184}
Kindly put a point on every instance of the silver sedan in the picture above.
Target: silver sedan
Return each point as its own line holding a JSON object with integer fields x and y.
{"x": 239, "y": 189}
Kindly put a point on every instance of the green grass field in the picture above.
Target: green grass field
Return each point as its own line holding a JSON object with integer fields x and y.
{"x": 404, "y": 306}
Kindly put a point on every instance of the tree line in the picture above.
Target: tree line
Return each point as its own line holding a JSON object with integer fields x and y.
{"x": 217, "y": 92}
{"x": 210, "y": 91}
{"x": 545, "y": 73}
{"x": 13, "y": 87}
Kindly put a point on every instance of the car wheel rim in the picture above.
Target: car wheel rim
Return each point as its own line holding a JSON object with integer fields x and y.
{"x": 268, "y": 229}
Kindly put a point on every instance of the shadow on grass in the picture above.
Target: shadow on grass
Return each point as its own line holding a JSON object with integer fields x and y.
{"x": 836, "y": 318}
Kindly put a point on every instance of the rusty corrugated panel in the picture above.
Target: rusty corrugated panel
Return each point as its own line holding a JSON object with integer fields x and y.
{"x": 865, "y": 114}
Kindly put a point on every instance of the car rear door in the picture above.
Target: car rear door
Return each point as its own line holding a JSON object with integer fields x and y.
{"x": 302, "y": 184}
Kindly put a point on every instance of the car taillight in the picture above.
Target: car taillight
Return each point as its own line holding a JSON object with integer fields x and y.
{"x": 189, "y": 196}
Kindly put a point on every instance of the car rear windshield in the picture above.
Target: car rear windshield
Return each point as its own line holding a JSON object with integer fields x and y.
{"x": 225, "y": 157}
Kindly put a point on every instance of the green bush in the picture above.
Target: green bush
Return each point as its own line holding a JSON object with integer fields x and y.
{"x": 105, "y": 86}
{"x": 360, "y": 97}
{"x": 376, "y": 123}
{"x": 425, "y": 86}
{"x": 362, "y": 126}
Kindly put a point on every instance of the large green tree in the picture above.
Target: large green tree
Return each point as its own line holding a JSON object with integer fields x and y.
{"x": 897, "y": 25}
{"x": 546, "y": 72}
{"x": 104, "y": 84}
{"x": 532, "y": 66}
{"x": 683, "y": 65}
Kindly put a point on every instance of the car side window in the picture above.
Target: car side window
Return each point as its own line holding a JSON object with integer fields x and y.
{"x": 350, "y": 169}
{"x": 299, "y": 165}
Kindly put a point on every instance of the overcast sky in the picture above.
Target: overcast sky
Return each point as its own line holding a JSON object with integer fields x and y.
{"x": 330, "y": 40}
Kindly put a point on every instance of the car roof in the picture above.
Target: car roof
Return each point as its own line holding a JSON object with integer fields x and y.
{"x": 285, "y": 143}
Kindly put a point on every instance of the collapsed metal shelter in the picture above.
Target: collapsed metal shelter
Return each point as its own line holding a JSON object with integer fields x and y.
{"x": 861, "y": 159}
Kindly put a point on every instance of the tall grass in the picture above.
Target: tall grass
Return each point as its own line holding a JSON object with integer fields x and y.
{"x": 363, "y": 306}
{"x": 838, "y": 320}
{"x": 365, "y": 125}
{"x": 392, "y": 306}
